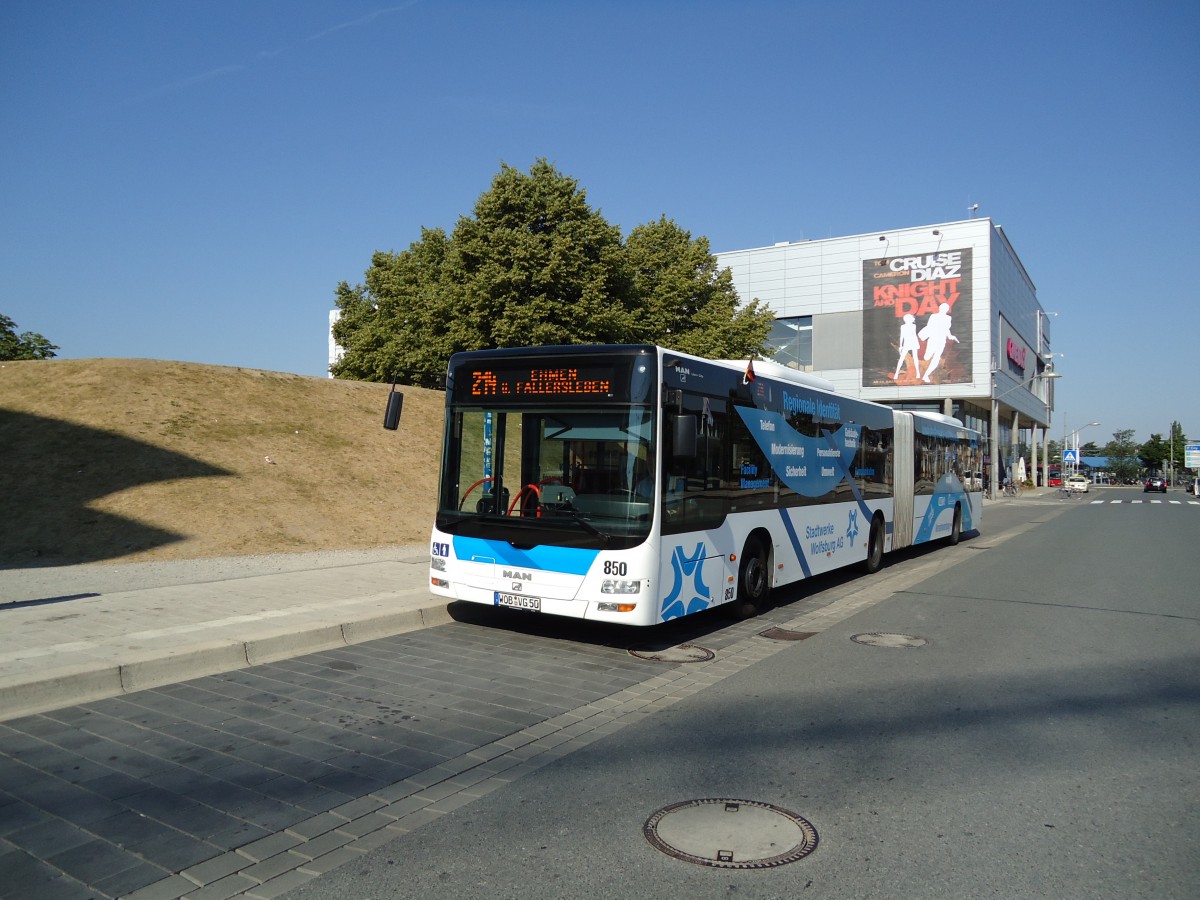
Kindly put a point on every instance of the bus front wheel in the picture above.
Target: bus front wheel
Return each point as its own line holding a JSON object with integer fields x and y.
{"x": 754, "y": 580}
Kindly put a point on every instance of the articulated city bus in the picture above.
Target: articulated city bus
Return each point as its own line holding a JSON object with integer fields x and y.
{"x": 635, "y": 484}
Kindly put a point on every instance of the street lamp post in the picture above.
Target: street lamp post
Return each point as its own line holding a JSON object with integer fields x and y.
{"x": 1074, "y": 434}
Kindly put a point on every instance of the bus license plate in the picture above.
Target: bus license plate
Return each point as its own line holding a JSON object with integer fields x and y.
{"x": 516, "y": 601}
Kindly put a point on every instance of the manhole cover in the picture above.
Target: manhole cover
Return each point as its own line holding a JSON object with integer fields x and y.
{"x": 784, "y": 634}
{"x": 680, "y": 653}
{"x": 884, "y": 639}
{"x": 730, "y": 834}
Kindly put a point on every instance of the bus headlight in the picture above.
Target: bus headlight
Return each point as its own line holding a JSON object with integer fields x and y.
{"x": 615, "y": 586}
{"x": 437, "y": 564}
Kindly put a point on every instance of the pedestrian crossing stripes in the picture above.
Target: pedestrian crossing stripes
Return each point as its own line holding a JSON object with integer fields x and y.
{"x": 1169, "y": 502}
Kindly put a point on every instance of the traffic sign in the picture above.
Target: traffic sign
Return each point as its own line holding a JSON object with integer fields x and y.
{"x": 1071, "y": 456}
{"x": 1191, "y": 456}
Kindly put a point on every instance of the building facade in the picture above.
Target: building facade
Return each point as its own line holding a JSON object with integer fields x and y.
{"x": 939, "y": 317}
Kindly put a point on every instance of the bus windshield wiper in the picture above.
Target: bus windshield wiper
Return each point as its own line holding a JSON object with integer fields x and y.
{"x": 587, "y": 525}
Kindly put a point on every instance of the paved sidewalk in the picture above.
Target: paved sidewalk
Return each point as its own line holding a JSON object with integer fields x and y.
{"x": 77, "y": 634}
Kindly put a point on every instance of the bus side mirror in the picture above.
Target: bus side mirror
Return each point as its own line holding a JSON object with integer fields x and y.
{"x": 391, "y": 417}
{"x": 683, "y": 444}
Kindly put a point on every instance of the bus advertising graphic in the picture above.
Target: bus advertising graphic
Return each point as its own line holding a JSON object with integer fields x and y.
{"x": 917, "y": 319}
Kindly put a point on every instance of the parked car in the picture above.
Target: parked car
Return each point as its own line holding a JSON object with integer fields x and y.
{"x": 1078, "y": 483}
{"x": 1155, "y": 483}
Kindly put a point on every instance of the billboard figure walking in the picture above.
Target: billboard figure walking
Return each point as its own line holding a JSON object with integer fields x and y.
{"x": 936, "y": 332}
{"x": 909, "y": 343}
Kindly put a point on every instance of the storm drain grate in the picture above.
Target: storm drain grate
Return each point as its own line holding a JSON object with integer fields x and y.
{"x": 885, "y": 639}
{"x": 730, "y": 834}
{"x": 680, "y": 653}
{"x": 784, "y": 634}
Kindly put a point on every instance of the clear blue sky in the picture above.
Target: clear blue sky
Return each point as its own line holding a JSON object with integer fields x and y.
{"x": 191, "y": 180}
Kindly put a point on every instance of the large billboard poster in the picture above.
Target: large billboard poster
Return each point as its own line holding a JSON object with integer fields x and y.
{"x": 917, "y": 319}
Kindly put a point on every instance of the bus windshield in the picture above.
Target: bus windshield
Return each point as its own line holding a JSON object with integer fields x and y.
{"x": 579, "y": 476}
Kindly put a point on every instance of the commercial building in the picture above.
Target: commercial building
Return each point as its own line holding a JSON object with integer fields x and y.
{"x": 942, "y": 318}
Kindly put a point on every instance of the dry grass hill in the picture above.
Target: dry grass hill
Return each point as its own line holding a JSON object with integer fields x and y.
{"x": 130, "y": 460}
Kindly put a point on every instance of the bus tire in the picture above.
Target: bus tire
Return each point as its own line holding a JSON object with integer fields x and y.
{"x": 754, "y": 580}
{"x": 874, "y": 561}
{"x": 956, "y": 528}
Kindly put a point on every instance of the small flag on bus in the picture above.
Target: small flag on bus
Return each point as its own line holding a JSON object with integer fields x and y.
{"x": 749, "y": 376}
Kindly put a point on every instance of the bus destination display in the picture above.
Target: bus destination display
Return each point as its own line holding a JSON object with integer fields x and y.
{"x": 539, "y": 381}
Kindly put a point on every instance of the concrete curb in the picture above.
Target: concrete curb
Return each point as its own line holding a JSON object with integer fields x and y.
{"x": 68, "y": 686}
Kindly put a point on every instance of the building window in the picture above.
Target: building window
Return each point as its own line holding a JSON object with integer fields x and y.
{"x": 791, "y": 339}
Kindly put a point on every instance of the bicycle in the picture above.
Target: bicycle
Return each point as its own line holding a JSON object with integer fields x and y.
{"x": 1010, "y": 489}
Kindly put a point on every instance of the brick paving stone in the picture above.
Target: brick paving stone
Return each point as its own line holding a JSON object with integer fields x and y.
{"x": 17, "y": 814}
{"x": 316, "y": 826}
{"x": 176, "y": 851}
{"x": 171, "y": 888}
{"x": 359, "y": 807}
{"x": 277, "y": 886}
{"x": 131, "y": 879}
{"x": 229, "y": 886}
{"x": 331, "y": 860}
{"x": 302, "y": 794}
{"x": 47, "y": 838}
{"x": 365, "y": 824}
{"x": 416, "y": 819}
{"x": 216, "y": 868}
{"x": 373, "y": 840}
{"x": 231, "y": 834}
{"x": 453, "y": 802}
{"x": 269, "y": 846}
{"x": 274, "y": 866}
{"x": 24, "y": 876}
{"x": 319, "y": 846}
{"x": 93, "y": 861}
{"x": 129, "y": 827}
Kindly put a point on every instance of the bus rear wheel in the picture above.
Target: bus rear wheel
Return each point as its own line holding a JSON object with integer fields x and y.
{"x": 874, "y": 560}
{"x": 956, "y": 528}
{"x": 754, "y": 580}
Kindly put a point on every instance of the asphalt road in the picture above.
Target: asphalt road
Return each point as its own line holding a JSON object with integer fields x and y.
{"x": 1038, "y": 741}
{"x": 1042, "y": 743}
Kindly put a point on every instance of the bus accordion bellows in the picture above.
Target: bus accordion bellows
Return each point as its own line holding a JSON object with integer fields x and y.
{"x": 634, "y": 484}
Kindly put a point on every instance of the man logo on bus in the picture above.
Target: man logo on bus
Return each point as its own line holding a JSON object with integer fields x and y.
{"x": 686, "y": 567}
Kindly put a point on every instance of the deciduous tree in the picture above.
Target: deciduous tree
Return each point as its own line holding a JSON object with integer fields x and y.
{"x": 1122, "y": 452}
{"x": 532, "y": 265}
{"x": 27, "y": 345}
{"x": 685, "y": 303}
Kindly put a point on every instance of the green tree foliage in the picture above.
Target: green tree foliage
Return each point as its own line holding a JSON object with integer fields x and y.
{"x": 1161, "y": 454}
{"x": 685, "y": 302}
{"x": 536, "y": 265}
{"x": 27, "y": 345}
{"x": 1122, "y": 452}
{"x": 532, "y": 265}
{"x": 399, "y": 321}
{"x": 1153, "y": 453}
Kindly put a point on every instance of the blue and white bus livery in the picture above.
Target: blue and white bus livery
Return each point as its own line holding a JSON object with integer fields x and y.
{"x": 634, "y": 484}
